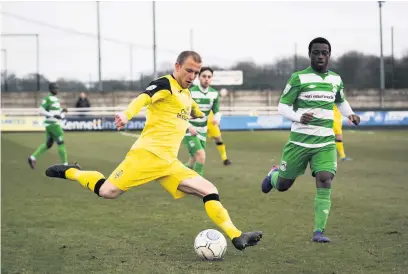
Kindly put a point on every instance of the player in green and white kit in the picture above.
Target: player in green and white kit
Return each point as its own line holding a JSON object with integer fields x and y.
{"x": 308, "y": 101}
{"x": 196, "y": 137}
{"x": 51, "y": 109}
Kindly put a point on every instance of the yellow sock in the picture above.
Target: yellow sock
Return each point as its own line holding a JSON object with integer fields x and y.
{"x": 219, "y": 215}
{"x": 86, "y": 178}
{"x": 221, "y": 149}
{"x": 340, "y": 149}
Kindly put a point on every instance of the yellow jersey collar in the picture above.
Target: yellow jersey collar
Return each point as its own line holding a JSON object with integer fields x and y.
{"x": 176, "y": 83}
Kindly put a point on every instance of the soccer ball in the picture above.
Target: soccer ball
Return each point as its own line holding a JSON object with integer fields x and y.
{"x": 210, "y": 245}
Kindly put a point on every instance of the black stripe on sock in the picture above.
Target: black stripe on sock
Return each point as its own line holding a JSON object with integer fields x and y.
{"x": 211, "y": 197}
{"x": 339, "y": 141}
{"x": 98, "y": 186}
{"x": 219, "y": 143}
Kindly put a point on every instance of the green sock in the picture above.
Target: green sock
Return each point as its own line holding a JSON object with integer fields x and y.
{"x": 62, "y": 153}
{"x": 322, "y": 208}
{"x": 39, "y": 151}
{"x": 199, "y": 168}
{"x": 274, "y": 179}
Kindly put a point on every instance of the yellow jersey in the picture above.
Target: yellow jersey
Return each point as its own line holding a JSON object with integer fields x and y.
{"x": 167, "y": 118}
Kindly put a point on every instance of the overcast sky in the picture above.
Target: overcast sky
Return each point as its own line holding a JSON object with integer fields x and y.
{"x": 223, "y": 33}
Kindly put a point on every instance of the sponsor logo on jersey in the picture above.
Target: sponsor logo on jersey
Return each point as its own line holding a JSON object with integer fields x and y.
{"x": 118, "y": 174}
{"x": 184, "y": 115}
{"x": 318, "y": 96}
{"x": 283, "y": 166}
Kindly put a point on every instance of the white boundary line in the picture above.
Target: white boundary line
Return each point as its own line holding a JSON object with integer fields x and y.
{"x": 362, "y": 131}
{"x": 129, "y": 134}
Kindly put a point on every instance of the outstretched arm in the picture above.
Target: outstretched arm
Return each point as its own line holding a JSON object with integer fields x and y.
{"x": 143, "y": 100}
{"x": 136, "y": 105}
{"x": 157, "y": 90}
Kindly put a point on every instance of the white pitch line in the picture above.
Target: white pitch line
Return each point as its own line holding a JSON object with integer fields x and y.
{"x": 129, "y": 134}
{"x": 362, "y": 131}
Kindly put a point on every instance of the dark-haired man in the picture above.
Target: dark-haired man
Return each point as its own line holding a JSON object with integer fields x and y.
{"x": 308, "y": 101}
{"x": 53, "y": 112}
{"x": 207, "y": 99}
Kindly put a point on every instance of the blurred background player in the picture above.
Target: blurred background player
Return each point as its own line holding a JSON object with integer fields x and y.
{"x": 51, "y": 109}
{"x": 154, "y": 155}
{"x": 338, "y": 134}
{"x": 214, "y": 132}
{"x": 196, "y": 137}
{"x": 312, "y": 93}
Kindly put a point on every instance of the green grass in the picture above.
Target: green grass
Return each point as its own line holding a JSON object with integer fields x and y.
{"x": 55, "y": 226}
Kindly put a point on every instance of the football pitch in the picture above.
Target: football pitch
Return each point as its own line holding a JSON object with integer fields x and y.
{"x": 56, "y": 226}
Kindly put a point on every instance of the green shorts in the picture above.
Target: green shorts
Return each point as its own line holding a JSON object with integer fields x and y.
{"x": 54, "y": 133}
{"x": 295, "y": 159}
{"x": 194, "y": 144}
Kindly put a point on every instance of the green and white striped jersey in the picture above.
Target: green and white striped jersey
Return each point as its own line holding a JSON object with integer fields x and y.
{"x": 51, "y": 104}
{"x": 310, "y": 91}
{"x": 207, "y": 100}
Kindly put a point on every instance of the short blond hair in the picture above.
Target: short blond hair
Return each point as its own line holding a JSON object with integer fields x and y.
{"x": 185, "y": 54}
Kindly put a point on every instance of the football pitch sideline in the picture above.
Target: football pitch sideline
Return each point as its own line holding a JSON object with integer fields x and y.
{"x": 56, "y": 226}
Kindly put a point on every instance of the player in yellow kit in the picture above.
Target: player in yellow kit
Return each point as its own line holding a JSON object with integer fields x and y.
{"x": 154, "y": 155}
{"x": 214, "y": 132}
{"x": 338, "y": 132}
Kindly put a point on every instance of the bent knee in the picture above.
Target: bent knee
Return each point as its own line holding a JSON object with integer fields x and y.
{"x": 204, "y": 187}
{"x": 209, "y": 188}
{"x": 49, "y": 143}
{"x": 281, "y": 188}
{"x": 109, "y": 191}
{"x": 197, "y": 186}
{"x": 284, "y": 184}
{"x": 324, "y": 177}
